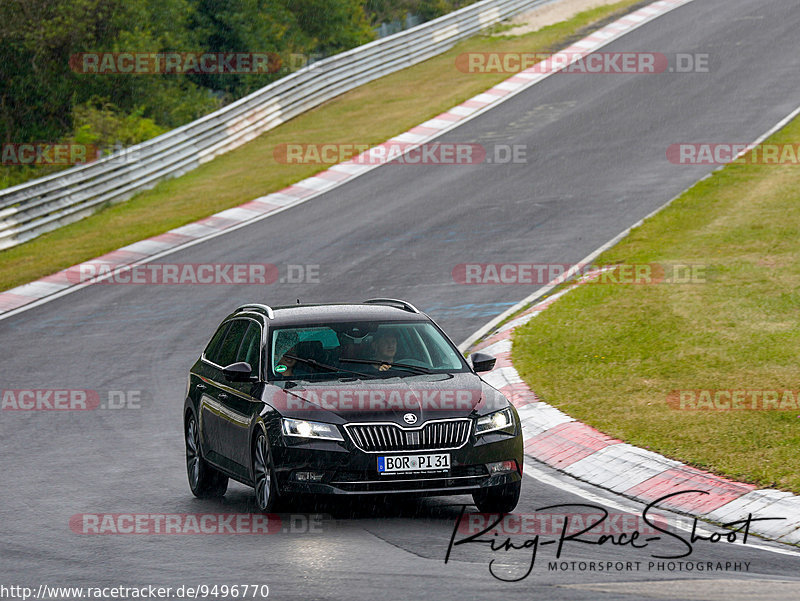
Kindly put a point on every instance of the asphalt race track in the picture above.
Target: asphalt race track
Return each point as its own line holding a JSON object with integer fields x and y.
{"x": 596, "y": 163}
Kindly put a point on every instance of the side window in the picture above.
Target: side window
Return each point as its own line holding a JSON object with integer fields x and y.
{"x": 230, "y": 345}
{"x": 251, "y": 345}
{"x": 212, "y": 349}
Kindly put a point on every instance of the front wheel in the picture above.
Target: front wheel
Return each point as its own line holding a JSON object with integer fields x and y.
{"x": 204, "y": 480}
{"x": 266, "y": 486}
{"x": 498, "y": 499}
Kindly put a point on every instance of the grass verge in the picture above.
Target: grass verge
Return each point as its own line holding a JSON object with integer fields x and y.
{"x": 370, "y": 114}
{"x": 612, "y": 355}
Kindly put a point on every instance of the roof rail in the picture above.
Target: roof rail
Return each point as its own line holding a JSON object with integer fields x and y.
{"x": 393, "y": 302}
{"x": 265, "y": 308}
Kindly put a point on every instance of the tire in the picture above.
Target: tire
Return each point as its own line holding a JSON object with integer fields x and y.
{"x": 265, "y": 483}
{"x": 498, "y": 499}
{"x": 204, "y": 481}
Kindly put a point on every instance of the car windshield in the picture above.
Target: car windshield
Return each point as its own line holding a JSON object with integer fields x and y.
{"x": 360, "y": 348}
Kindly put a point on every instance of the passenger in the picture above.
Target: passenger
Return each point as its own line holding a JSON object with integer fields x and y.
{"x": 385, "y": 348}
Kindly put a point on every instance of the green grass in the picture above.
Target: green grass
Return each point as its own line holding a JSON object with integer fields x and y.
{"x": 370, "y": 114}
{"x": 609, "y": 355}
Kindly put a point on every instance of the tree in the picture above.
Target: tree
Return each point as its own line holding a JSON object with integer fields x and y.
{"x": 332, "y": 26}
{"x": 39, "y": 86}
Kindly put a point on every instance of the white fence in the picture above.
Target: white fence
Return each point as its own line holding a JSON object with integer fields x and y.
{"x": 33, "y": 208}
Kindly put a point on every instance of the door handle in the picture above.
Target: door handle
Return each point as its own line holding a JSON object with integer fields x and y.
{"x": 222, "y": 395}
{"x": 201, "y": 386}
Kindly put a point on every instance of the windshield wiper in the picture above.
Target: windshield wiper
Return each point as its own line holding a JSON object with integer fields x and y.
{"x": 414, "y": 368}
{"x": 326, "y": 367}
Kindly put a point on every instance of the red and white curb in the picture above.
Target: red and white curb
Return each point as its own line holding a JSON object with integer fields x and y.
{"x": 558, "y": 440}
{"x": 69, "y": 280}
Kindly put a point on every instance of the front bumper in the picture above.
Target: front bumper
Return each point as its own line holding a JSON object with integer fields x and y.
{"x": 347, "y": 470}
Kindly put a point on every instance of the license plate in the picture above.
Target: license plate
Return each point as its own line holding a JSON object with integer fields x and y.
{"x": 392, "y": 464}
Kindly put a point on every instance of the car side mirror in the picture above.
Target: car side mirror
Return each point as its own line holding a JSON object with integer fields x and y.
{"x": 482, "y": 361}
{"x": 239, "y": 372}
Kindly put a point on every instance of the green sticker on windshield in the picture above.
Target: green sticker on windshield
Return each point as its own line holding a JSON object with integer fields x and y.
{"x": 280, "y": 369}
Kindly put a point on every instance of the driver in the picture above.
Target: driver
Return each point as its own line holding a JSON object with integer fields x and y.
{"x": 288, "y": 360}
{"x": 286, "y": 344}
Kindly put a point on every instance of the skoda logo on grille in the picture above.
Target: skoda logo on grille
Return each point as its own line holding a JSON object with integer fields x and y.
{"x": 410, "y": 418}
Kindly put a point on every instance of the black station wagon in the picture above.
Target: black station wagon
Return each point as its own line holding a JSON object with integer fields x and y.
{"x": 347, "y": 399}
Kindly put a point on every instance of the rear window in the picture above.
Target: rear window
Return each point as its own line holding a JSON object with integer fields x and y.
{"x": 213, "y": 346}
{"x": 228, "y": 350}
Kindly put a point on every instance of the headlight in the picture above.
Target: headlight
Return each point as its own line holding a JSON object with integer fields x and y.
{"x": 304, "y": 429}
{"x": 499, "y": 421}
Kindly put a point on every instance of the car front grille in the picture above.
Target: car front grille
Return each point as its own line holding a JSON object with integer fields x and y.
{"x": 438, "y": 435}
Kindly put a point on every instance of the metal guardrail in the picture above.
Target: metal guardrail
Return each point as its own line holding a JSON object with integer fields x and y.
{"x": 42, "y": 205}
